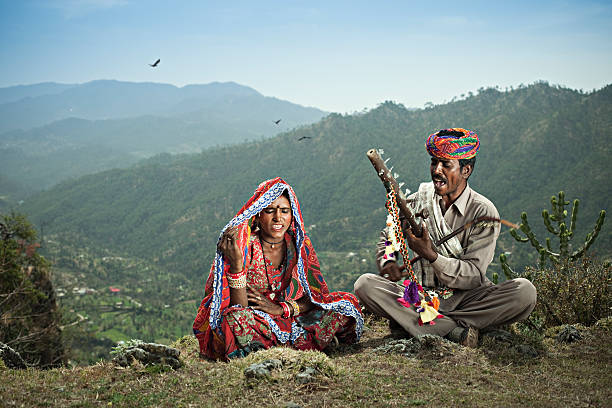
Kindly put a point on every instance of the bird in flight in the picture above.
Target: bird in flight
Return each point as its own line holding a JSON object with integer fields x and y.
{"x": 277, "y": 121}
{"x": 304, "y": 137}
{"x": 155, "y": 63}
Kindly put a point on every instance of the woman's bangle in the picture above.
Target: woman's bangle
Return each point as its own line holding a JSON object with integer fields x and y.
{"x": 237, "y": 282}
{"x": 236, "y": 275}
{"x": 294, "y": 305}
{"x": 286, "y": 311}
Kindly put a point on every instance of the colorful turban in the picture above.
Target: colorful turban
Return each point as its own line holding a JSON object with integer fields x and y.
{"x": 452, "y": 146}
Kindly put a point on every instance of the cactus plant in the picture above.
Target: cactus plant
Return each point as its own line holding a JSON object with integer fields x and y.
{"x": 557, "y": 215}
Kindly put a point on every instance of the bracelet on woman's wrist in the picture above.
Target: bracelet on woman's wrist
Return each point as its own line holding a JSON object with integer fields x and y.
{"x": 237, "y": 280}
{"x": 294, "y": 306}
{"x": 286, "y": 310}
{"x": 236, "y": 275}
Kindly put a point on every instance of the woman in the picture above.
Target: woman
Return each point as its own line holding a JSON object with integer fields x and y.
{"x": 265, "y": 287}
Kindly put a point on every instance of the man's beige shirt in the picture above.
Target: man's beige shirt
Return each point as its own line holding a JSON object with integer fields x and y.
{"x": 468, "y": 270}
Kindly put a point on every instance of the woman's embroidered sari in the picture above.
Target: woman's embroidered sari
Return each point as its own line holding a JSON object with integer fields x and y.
{"x": 225, "y": 331}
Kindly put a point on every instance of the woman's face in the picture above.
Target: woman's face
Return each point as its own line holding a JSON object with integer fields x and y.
{"x": 275, "y": 219}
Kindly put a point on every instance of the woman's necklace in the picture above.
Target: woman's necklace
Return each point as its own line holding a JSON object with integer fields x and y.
{"x": 266, "y": 263}
{"x": 268, "y": 242}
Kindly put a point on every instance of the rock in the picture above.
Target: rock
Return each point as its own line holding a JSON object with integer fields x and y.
{"x": 291, "y": 404}
{"x": 149, "y": 354}
{"x": 568, "y": 334}
{"x": 526, "y": 350}
{"x": 141, "y": 355}
{"x": 430, "y": 342}
{"x": 430, "y": 345}
{"x": 499, "y": 335}
{"x": 401, "y": 346}
{"x": 257, "y": 371}
{"x": 308, "y": 375}
{"x": 175, "y": 363}
{"x": 272, "y": 364}
{"x": 263, "y": 369}
{"x": 160, "y": 349}
{"x": 11, "y": 358}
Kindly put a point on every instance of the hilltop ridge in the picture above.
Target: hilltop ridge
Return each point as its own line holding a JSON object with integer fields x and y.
{"x": 496, "y": 374}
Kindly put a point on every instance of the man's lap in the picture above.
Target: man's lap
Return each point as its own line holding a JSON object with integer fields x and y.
{"x": 484, "y": 306}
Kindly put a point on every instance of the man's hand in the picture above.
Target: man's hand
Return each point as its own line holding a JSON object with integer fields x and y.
{"x": 422, "y": 245}
{"x": 391, "y": 271}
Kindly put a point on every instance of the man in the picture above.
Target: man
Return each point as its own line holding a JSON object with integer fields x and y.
{"x": 455, "y": 270}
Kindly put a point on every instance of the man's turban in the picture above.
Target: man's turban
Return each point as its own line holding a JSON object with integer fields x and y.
{"x": 453, "y": 143}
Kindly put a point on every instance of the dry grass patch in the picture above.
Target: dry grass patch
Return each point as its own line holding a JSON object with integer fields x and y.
{"x": 293, "y": 361}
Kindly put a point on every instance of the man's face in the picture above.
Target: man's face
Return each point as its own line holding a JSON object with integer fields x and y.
{"x": 448, "y": 177}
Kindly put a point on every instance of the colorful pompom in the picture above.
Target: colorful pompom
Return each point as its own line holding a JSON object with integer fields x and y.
{"x": 411, "y": 293}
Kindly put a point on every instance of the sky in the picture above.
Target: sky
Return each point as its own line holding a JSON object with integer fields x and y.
{"x": 340, "y": 56}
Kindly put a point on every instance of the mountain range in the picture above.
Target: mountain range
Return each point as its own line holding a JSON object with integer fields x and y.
{"x": 52, "y": 132}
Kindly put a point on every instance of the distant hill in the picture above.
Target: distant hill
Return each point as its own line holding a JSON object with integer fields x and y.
{"x": 65, "y": 131}
{"x": 19, "y": 92}
{"x": 110, "y": 99}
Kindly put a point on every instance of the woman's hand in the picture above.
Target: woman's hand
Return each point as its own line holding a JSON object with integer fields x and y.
{"x": 228, "y": 246}
{"x": 261, "y": 302}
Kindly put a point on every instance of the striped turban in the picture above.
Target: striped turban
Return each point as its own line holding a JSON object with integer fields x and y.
{"x": 453, "y": 143}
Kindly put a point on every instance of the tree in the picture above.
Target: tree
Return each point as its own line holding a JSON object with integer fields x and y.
{"x": 29, "y": 316}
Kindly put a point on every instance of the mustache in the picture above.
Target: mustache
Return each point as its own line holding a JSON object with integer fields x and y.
{"x": 438, "y": 178}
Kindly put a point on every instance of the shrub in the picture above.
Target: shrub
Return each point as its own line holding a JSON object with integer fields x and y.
{"x": 574, "y": 292}
{"x": 29, "y": 316}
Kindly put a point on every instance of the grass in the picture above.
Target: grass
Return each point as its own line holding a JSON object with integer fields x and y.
{"x": 576, "y": 375}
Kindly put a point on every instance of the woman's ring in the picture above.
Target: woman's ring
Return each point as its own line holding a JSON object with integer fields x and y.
{"x": 258, "y": 298}
{"x": 386, "y": 275}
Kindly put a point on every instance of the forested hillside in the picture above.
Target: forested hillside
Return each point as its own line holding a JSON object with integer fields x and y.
{"x": 151, "y": 230}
